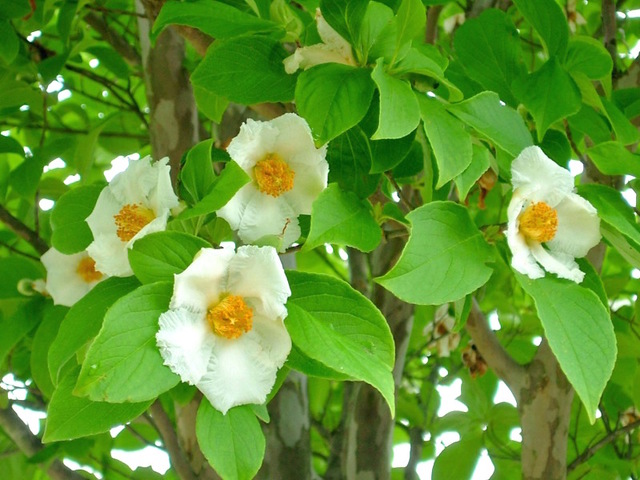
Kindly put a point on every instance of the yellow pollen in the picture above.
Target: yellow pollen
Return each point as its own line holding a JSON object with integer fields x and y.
{"x": 273, "y": 176}
{"x": 87, "y": 270}
{"x": 231, "y": 317}
{"x": 131, "y": 219}
{"x": 539, "y": 222}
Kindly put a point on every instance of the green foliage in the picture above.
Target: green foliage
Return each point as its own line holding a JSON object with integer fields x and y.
{"x": 445, "y": 257}
{"x": 232, "y": 443}
{"x": 338, "y": 327}
{"x": 70, "y": 233}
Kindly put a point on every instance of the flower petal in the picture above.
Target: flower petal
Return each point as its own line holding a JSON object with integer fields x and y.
{"x": 578, "y": 227}
{"x": 111, "y": 256}
{"x": 101, "y": 220}
{"x": 559, "y": 263}
{"x": 267, "y": 216}
{"x": 257, "y": 275}
{"x": 63, "y": 283}
{"x": 133, "y": 185}
{"x": 539, "y": 177}
{"x": 522, "y": 260}
{"x": 233, "y": 211}
{"x": 334, "y": 40}
{"x": 273, "y": 338}
{"x": 201, "y": 283}
{"x": 158, "y": 224}
{"x": 185, "y": 343}
{"x": 252, "y": 144}
{"x": 238, "y": 373}
{"x": 161, "y": 197}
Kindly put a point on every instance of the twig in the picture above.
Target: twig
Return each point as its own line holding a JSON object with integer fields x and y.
{"x": 75, "y": 131}
{"x": 510, "y": 371}
{"x": 405, "y": 201}
{"x": 19, "y": 252}
{"x": 22, "y": 230}
{"x": 29, "y": 444}
{"x": 115, "y": 11}
{"x": 609, "y": 28}
{"x": 431, "y": 31}
{"x": 607, "y": 439}
{"x": 170, "y": 440}
{"x": 117, "y": 41}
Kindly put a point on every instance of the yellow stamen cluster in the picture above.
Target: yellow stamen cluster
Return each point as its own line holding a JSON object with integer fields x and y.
{"x": 273, "y": 175}
{"x": 538, "y": 222}
{"x": 231, "y": 317}
{"x": 131, "y": 219}
{"x": 87, "y": 270}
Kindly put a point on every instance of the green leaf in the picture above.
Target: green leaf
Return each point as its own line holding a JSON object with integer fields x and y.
{"x": 612, "y": 158}
{"x": 225, "y": 186}
{"x": 411, "y": 20}
{"x": 10, "y": 44}
{"x": 70, "y": 417}
{"x": 15, "y": 327}
{"x": 626, "y": 132}
{"x": 444, "y": 260}
{"x": 399, "y": 111}
{"x": 378, "y": 32}
{"x": 157, "y": 257}
{"x": 480, "y": 163}
{"x": 11, "y": 145}
{"x": 628, "y": 249}
{"x": 332, "y": 323}
{"x": 500, "y": 124}
{"x": 333, "y": 98}
{"x": 212, "y": 105}
{"x": 84, "y": 320}
{"x": 451, "y": 143}
{"x": 548, "y": 19}
{"x": 459, "y": 459}
{"x": 580, "y": 334}
{"x": 123, "y": 363}
{"x": 587, "y": 55}
{"x": 42, "y": 340}
{"x": 196, "y": 175}
{"x": 233, "y": 443}
{"x": 313, "y": 368}
{"x": 15, "y": 269}
{"x": 110, "y": 59}
{"x": 345, "y": 17}
{"x": 489, "y": 49}
{"x": 550, "y": 94}
{"x": 341, "y": 217}
{"x": 349, "y": 158}
{"x": 246, "y": 70}
{"x": 423, "y": 61}
{"x": 216, "y": 19}
{"x": 70, "y": 233}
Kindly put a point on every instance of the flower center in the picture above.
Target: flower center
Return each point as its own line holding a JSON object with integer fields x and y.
{"x": 87, "y": 270}
{"x": 131, "y": 219}
{"x": 231, "y": 317}
{"x": 273, "y": 176}
{"x": 538, "y": 222}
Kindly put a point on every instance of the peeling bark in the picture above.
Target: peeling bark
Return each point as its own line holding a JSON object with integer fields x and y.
{"x": 545, "y": 413}
{"x": 289, "y": 445}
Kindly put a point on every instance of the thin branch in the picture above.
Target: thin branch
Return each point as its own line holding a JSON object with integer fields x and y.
{"x": 29, "y": 444}
{"x": 115, "y": 11}
{"x": 170, "y": 440}
{"x": 510, "y": 371}
{"x": 431, "y": 31}
{"x": 609, "y": 28}
{"x": 22, "y": 230}
{"x": 75, "y": 131}
{"x": 112, "y": 37}
{"x": 606, "y": 440}
{"x": 18, "y": 252}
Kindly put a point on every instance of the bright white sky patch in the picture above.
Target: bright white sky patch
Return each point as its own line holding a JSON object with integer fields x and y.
{"x": 119, "y": 164}
{"x": 147, "y": 457}
{"x": 72, "y": 179}
{"x": 536, "y": 341}
{"x": 494, "y": 321}
{"x": 575, "y": 167}
{"x": 53, "y": 164}
{"x": 45, "y": 204}
{"x": 54, "y": 86}
{"x": 449, "y": 398}
{"x": 94, "y": 62}
{"x": 63, "y": 95}
{"x": 503, "y": 394}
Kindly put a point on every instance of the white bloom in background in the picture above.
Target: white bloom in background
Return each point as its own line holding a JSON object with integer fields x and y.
{"x": 440, "y": 330}
{"x": 544, "y": 210}
{"x": 224, "y": 331}
{"x": 69, "y": 277}
{"x": 135, "y": 203}
{"x": 287, "y": 174}
{"x": 334, "y": 49}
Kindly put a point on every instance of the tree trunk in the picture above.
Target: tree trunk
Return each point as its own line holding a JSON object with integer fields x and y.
{"x": 545, "y": 413}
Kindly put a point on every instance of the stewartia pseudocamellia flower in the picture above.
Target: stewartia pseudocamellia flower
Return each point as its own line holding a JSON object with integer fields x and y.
{"x": 548, "y": 224}
{"x": 134, "y": 204}
{"x": 224, "y": 331}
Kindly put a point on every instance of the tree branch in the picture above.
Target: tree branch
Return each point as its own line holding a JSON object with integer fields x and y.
{"x": 170, "y": 440}
{"x": 29, "y": 444}
{"x": 510, "y": 371}
{"x": 606, "y": 440}
{"x": 113, "y": 38}
{"x": 431, "y": 31}
{"x": 609, "y": 28}
{"x": 22, "y": 230}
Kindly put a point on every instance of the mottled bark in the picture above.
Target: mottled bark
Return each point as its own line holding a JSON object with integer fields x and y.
{"x": 545, "y": 413}
{"x": 173, "y": 127}
{"x": 288, "y": 453}
{"x": 362, "y": 446}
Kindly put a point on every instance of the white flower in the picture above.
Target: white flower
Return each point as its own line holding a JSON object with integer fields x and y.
{"x": 224, "y": 332}
{"x": 544, "y": 210}
{"x": 440, "y": 330}
{"x": 69, "y": 277}
{"x": 134, "y": 204}
{"x": 334, "y": 49}
{"x": 287, "y": 174}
